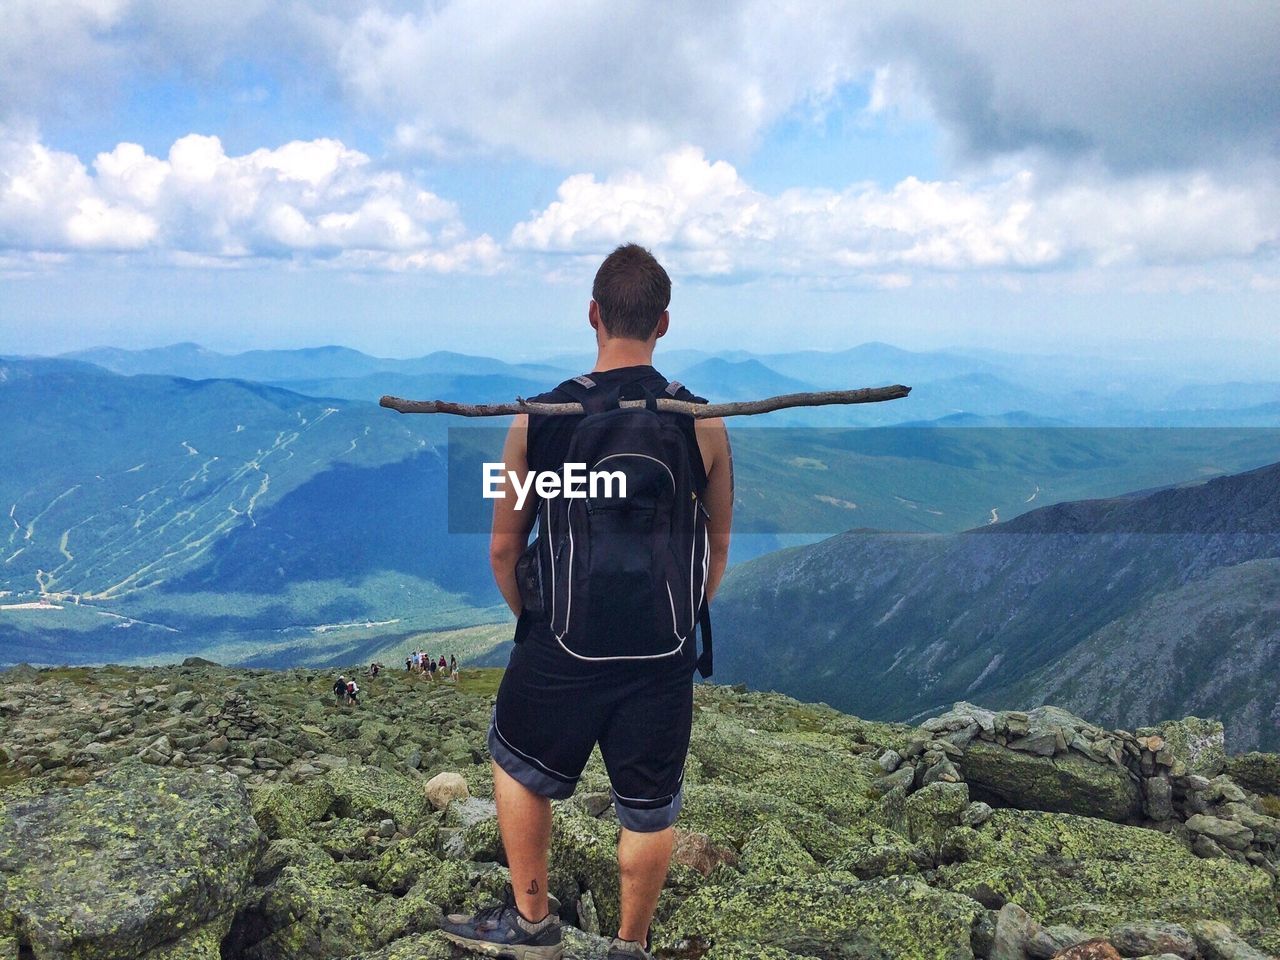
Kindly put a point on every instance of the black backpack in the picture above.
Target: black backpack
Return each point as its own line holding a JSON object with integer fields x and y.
{"x": 624, "y": 578}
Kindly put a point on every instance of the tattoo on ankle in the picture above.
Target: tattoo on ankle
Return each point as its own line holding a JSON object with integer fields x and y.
{"x": 533, "y": 887}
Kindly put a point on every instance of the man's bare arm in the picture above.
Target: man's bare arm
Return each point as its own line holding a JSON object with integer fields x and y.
{"x": 717, "y": 456}
{"x": 510, "y": 534}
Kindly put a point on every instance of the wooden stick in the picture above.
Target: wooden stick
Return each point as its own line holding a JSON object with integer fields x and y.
{"x": 701, "y": 411}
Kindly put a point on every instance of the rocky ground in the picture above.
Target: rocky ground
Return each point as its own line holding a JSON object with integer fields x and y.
{"x": 197, "y": 812}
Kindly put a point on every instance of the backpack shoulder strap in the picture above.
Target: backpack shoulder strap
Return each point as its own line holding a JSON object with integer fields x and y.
{"x": 704, "y": 627}
{"x": 586, "y": 391}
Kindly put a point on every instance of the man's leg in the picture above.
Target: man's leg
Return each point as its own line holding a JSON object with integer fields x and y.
{"x": 643, "y": 859}
{"x": 524, "y": 820}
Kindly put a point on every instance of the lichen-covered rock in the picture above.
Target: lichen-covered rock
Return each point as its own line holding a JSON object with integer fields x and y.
{"x": 1194, "y": 745}
{"x": 584, "y": 856}
{"x": 933, "y": 810}
{"x": 1259, "y": 772}
{"x": 1067, "y": 783}
{"x": 1094, "y": 874}
{"x": 424, "y": 946}
{"x": 128, "y": 863}
{"x": 816, "y": 772}
{"x": 772, "y": 852}
{"x": 309, "y": 910}
{"x": 288, "y": 809}
{"x": 828, "y": 914}
{"x": 729, "y": 815}
{"x": 372, "y": 793}
{"x": 881, "y": 853}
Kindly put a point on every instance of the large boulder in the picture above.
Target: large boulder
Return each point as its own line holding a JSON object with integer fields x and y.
{"x": 1259, "y": 772}
{"x": 145, "y": 862}
{"x": 1067, "y": 783}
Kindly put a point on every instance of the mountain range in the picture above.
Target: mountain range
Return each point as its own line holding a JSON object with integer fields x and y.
{"x": 1117, "y": 390}
{"x": 176, "y": 505}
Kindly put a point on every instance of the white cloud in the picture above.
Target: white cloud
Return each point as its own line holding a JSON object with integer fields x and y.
{"x": 705, "y": 217}
{"x": 590, "y": 82}
{"x": 313, "y": 200}
{"x": 608, "y": 82}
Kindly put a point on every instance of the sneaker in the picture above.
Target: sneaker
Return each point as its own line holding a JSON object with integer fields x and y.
{"x": 621, "y": 949}
{"x": 498, "y": 930}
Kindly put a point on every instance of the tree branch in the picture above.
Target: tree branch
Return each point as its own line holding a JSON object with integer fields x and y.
{"x": 701, "y": 411}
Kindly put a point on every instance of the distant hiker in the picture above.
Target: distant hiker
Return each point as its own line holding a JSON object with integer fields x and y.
{"x": 408, "y": 663}
{"x": 431, "y": 667}
{"x": 353, "y": 692}
{"x": 453, "y": 667}
{"x": 442, "y": 666}
{"x": 620, "y": 657}
{"x": 373, "y": 670}
{"x": 417, "y": 659}
{"x": 340, "y": 690}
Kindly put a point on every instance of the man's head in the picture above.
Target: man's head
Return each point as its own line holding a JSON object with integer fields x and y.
{"x": 631, "y": 293}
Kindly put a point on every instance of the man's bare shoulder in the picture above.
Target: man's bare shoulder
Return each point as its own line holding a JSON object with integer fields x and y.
{"x": 713, "y": 439}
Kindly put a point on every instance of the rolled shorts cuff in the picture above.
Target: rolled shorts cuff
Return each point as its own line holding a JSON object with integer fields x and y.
{"x": 650, "y": 817}
{"x": 524, "y": 769}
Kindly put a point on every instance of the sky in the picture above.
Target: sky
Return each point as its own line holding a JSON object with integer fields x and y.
{"x": 401, "y": 177}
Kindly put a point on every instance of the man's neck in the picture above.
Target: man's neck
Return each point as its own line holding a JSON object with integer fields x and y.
{"x": 620, "y": 352}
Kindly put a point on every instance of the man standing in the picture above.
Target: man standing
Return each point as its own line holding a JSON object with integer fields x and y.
{"x": 639, "y": 709}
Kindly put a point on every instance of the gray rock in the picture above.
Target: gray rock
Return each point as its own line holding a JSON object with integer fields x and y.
{"x": 1217, "y": 941}
{"x": 1223, "y": 788}
{"x": 1153, "y": 936}
{"x": 1014, "y": 929}
{"x": 468, "y": 811}
{"x": 1202, "y": 846}
{"x": 976, "y": 814}
{"x": 1047, "y": 942}
{"x": 890, "y": 760}
{"x": 1157, "y": 798}
{"x": 185, "y": 702}
{"x": 1067, "y": 783}
{"x": 944, "y": 771}
{"x": 1225, "y": 833}
{"x": 902, "y": 777}
{"x": 588, "y": 919}
{"x": 1043, "y": 743}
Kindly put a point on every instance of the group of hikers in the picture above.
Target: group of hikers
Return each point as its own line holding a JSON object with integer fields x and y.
{"x": 346, "y": 691}
{"x": 419, "y": 662}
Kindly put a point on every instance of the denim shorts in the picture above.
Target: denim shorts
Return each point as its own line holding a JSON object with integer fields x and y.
{"x": 553, "y": 708}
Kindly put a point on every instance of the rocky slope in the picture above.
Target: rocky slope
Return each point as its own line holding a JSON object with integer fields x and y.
{"x": 196, "y": 812}
{"x": 1127, "y": 609}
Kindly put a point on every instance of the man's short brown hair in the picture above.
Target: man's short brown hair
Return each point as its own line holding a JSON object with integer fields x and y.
{"x": 632, "y": 290}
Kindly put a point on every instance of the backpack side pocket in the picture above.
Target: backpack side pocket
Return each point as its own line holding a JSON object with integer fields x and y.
{"x": 529, "y": 580}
